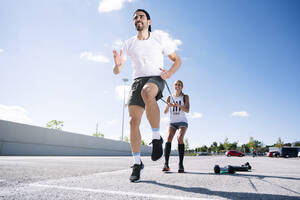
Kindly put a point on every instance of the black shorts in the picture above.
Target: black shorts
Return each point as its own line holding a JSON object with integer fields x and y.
{"x": 135, "y": 97}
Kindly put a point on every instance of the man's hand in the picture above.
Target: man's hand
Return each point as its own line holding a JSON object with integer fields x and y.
{"x": 165, "y": 74}
{"x": 118, "y": 62}
{"x": 117, "y": 58}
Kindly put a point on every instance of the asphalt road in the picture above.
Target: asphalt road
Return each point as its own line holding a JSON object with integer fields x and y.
{"x": 107, "y": 178}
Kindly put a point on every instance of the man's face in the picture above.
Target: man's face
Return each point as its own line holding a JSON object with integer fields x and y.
{"x": 140, "y": 21}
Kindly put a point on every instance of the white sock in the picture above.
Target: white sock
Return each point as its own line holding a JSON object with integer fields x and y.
{"x": 136, "y": 158}
{"x": 155, "y": 134}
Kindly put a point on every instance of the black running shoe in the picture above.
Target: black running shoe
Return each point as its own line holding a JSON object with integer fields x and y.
{"x": 180, "y": 168}
{"x": 166, "y": 168}
{"x": 136, "y": 172}
{"x": 157, "y": 149}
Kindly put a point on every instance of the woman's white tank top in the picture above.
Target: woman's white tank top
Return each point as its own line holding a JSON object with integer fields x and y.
{"x": 176, "y": 114}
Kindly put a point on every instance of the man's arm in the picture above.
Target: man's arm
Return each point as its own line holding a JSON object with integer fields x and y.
{"x": 119, "y": 62}
{"x": 176, "y": 64}
{"x": 167, "y": 105}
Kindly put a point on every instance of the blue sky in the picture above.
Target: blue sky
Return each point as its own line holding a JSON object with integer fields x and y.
{"x": 240, "y": 65}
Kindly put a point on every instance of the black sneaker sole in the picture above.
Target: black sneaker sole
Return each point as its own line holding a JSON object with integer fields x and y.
{"x": 135, "y": 181}
{"x": 157, "y": 157}
{"x": 166, "y": 170}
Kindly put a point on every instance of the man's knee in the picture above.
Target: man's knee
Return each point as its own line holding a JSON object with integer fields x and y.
{"x": 149, "y": 92}
{"x": 134, "y": 121}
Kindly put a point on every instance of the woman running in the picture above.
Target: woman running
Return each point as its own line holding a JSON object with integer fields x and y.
{"x": 178, "y": 105}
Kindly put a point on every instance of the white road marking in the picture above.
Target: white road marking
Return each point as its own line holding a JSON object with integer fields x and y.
{"x": 158, "y": 196}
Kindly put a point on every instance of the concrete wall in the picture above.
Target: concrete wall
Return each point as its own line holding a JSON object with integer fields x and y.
{"x": 22, "y": 139}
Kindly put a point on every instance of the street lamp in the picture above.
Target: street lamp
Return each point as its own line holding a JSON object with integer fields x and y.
{"x": 124, "y": 80}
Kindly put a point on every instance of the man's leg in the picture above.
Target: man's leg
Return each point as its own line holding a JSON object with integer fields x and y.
{"x": 135, "y": 115}
{"x": 149, "y": 92}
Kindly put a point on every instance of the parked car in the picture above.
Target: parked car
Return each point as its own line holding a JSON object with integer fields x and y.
{"x": 261, "y": 154}
{"x": 234, "y": 153}
{"x": 289, "y": 152}
{"x": 202, "y": 154}
{"x": 273, "y": 154}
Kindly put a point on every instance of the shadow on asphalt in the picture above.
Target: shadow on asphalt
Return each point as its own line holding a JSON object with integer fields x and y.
{"x": 229, "y": 195}
{"x": 239, "y": 174}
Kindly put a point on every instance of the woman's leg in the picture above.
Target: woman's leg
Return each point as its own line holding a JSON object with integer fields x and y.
{"x": 171, "y": 134}
{"x": 180, "y": 139}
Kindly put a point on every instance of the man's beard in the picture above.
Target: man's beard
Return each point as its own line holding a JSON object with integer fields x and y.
{"x": 139, "y": 27}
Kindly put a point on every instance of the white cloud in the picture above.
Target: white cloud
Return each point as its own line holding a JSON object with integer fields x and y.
{"x": 240, "y": 114}
{"x": 1, "y": 50}
{"x": 110, "y": 5}
{"x": 120, "y": 92}
{"x": 91, "y": 57}
{"x": 15, "y": 114}
{"x": 194, "y": 115}
{"x": 118, "y": 44}
{"x": 175, "y": 43}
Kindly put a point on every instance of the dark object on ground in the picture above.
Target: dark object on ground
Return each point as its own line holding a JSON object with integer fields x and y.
{"x": 232, "y": 169}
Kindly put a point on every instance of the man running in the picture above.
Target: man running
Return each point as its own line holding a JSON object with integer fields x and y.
{"x": 146, "y": 51}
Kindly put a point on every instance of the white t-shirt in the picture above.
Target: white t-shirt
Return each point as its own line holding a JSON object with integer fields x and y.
{"x": 176, "y": 114}
{"x": 147, "y": 56}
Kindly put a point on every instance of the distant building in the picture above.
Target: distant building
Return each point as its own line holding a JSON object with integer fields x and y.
{"x": 273, "y": 149}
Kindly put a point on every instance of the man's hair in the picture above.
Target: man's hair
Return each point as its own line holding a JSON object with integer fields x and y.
{"x": 147, "y": 15}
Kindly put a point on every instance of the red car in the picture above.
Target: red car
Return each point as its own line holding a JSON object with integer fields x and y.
{"x": 234, "y": 153}
{"x": 273, "y": 154}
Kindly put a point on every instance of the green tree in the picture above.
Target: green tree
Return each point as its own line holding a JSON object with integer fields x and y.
{"x": 204, "y": 148}
{"x": 221, "y": 148}
{"x": 214, "y": 147}
{"x": 98, "y": 135}
{"x": 54, "y": 124}
{"x": 288, "y": 144}
{"x": 226, "y": 143}
{"x": 258, "y": 144}
{"x": 279, "y": 143}
{"x": 143, "y": 142}
{"x": 245, "y": 148}
{"x": 297, "y": 144}
{"x": 126, "y": 139}
{"x": 251, "y": 143}
{"x": 198, "y": 149}
{"x": 233, "y": 146}
{"x": 186, "y": 144}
